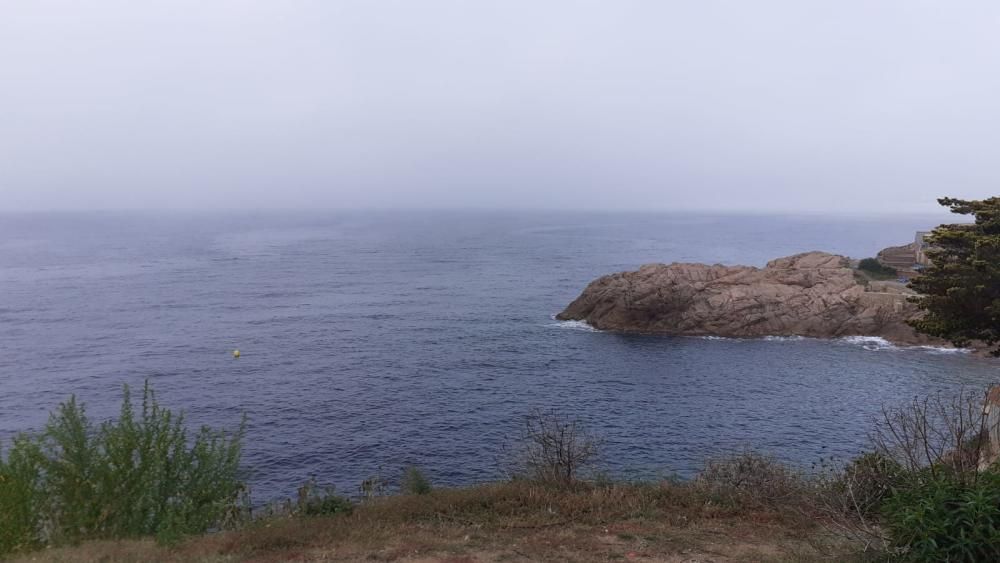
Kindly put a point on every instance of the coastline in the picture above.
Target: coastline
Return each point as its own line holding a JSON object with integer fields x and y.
{"x": 811, "y": 295}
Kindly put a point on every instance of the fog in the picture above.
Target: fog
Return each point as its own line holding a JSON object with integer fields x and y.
{"x": 848, "y": 106}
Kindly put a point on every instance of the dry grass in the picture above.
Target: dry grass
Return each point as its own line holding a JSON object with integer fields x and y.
{"x": 516, "y": 521}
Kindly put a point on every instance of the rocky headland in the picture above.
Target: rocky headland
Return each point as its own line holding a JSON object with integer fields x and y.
{"x": 814, "y": 294}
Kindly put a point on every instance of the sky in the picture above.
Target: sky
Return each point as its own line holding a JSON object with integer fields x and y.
{"x": 772, "y": 105}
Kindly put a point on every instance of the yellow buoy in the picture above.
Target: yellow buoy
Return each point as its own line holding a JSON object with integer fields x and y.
{"x": 236, "y": 353}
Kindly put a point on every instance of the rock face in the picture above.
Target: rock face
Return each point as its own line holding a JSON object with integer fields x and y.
{"x": 813, "y": 294}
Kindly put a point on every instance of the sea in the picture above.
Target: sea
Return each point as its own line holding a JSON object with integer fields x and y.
{"x": 371, "y": 341}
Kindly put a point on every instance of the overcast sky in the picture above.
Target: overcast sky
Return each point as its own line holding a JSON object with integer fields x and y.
{"x": 839, "y": 105}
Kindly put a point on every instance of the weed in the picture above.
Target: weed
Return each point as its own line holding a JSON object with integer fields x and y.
{"x": 414, "y": 482}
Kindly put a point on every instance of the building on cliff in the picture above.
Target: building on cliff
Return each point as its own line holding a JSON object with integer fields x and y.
{"x": 920, "y": 245}
{"x": 907, "y": 258}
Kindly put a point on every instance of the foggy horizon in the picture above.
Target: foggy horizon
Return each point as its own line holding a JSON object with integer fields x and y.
{"x": 719, "y": 107}
{"x": 937, "y": 213}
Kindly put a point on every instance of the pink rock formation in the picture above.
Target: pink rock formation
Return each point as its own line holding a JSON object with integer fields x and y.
{"x": 813, "y": 294}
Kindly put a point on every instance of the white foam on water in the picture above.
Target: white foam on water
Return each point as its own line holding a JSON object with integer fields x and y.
{"x": 873, "y": 343}
{"x": 877, "y": 344}
{"x": 942, "y": 350}
{"x": 574, "y": 325}
{"x": 751, "y": 339}
{"x": 866, "y": 340}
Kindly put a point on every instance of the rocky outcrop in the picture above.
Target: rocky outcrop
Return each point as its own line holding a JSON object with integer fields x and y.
{"x": 813, "y": 294}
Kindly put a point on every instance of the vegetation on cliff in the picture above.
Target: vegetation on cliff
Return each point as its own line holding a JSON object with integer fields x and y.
{"x": 876, "y": 270}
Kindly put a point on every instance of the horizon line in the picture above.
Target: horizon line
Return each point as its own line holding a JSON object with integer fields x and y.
{"x": 475, "y": 209}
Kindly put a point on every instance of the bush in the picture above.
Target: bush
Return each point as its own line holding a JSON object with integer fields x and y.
{"x": 938, "y": 517}
{"x": 849, "y": 498}
{"x": 750, "y": 478}
{"x": 374, "y": 486}
{"x": 140, "y": 475}
{"x": 316, "y": 500}
{"x": 867, "y": 482}
{"x": 859, "y": 488}
{"x": 414, "y": 482}
{"x": 940, "y": 432}
{"x": 939, "y": 499}
{"x": 553, "y": 449}
{"x": 19, "y": 497}
{"x": 876, "y": 269}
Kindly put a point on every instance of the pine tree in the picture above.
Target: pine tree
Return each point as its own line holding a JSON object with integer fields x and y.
{"x": 960, "y": 291}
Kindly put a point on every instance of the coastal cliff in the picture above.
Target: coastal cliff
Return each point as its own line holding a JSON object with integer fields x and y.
{"x": 814, "y": 294}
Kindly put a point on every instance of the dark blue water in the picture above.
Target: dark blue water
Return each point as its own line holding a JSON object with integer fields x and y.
{"x": 375, "y": 340}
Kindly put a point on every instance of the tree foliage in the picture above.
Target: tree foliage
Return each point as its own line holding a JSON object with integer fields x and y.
{"x": 877, "y": 269}
{"x": 960, "y": 291}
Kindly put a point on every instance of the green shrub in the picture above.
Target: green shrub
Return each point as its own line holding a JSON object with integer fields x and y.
{"x": 19, "y": 497}
{"x": 139, "y": 475}
{"x": 414, "y": 482}
{"x": 934, "y": 516}
{"x": 876, "y": 269}
{"x": 316, "y": 500}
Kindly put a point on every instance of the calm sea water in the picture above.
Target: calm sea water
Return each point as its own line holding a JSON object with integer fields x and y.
{"x": 375, "y": 340}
